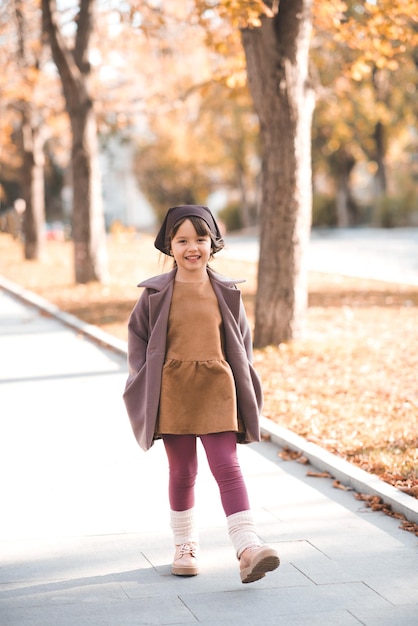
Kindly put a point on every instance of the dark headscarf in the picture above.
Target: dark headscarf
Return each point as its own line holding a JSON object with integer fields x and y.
{"x": 177, "y": 213}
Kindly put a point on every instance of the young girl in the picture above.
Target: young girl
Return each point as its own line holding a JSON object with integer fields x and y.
{"x": 190, "y": 375}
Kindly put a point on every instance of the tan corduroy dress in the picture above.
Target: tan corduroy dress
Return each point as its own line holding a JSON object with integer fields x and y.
{"x": 198, "y": 391}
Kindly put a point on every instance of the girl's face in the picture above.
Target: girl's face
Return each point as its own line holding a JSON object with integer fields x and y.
{"x": 191, "y": 252}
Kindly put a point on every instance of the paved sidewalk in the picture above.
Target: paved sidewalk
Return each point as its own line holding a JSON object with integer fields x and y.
{"x": 84, "y": 532}
{"x": 378, "y": 253}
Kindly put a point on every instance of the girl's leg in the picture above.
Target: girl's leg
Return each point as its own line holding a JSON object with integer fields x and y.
{"x": 182, "y": 461}
{"x": 224, "y": 464}
{"x": 221, "y": 452}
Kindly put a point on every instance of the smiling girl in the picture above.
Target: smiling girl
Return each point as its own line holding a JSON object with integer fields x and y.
{"x": 191, "y": 376}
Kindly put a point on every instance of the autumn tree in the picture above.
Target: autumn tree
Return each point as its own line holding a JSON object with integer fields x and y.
{"x": 205, "y": 143}
{"x": 73, "y": 64}
{"x": 24, "y": 82}
{"x": 380, "y": 34}
{"x": 277, "y": 55}
{"x": 200, "y": 128}
{"x": 10, "y": 156}
{"x": 373, "y": 48}
{"x": 276, "y": 37}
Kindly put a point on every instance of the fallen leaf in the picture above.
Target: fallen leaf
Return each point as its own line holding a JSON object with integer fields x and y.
{"x": 289, "y": 455}
{"x": 319, "y": 474}
{"x": 337, "y": 485}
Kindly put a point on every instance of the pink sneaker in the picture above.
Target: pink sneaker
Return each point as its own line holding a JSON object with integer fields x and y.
{"x": 185, "y": 560}
{"x": 256, "y": 561}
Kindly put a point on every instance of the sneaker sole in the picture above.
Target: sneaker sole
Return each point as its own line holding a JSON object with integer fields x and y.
{"x": 184, "y": 571}
{"x": 260, "y": 569}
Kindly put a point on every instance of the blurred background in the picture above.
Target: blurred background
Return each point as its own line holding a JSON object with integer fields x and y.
{"x": 175, "y": 120}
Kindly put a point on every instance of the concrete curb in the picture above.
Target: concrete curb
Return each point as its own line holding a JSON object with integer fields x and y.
{"x": 93, "y": 332}
{"x": 348, "y": 474}
{"x": 342, "y": 470}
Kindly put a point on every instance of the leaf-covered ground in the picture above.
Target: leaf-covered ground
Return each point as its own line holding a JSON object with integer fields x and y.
{"x": 351, "y": 385}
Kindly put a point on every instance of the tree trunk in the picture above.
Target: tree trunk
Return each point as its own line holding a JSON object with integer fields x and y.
{"x": 342, "y": 165}
{"x": 277, "y": 55}
{"x": 381, "y": 87}
{"x": 379, "y": 138}
{"x": 244, "y": 205}
{"x": 33, "y": 188}
{"x": 32, "y": 144}
{"x": 89, "y": 235}
{"x": 88, "y": 220}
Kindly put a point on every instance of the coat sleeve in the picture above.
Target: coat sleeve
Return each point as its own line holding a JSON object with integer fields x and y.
{"x": 245, "y": 331}
{"x": 138, "y": 334}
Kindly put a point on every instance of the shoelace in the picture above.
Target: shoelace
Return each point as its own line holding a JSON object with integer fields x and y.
{"x": 187, "y": 548}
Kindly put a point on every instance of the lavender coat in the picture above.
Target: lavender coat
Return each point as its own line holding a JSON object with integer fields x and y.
{"x": 147, "y": 331}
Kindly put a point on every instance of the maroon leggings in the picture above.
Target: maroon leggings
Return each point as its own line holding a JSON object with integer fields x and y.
{"x": 221, "y": 452}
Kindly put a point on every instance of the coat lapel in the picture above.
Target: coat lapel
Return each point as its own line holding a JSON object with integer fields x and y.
{"x": 159, "y": 305}
{"x": 229, "y": 297}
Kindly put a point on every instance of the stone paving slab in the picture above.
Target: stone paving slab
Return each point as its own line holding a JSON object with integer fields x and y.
{"x": 84, "y": 527}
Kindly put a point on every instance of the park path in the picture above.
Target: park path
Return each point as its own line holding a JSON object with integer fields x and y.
{"x": 383, "y": 254}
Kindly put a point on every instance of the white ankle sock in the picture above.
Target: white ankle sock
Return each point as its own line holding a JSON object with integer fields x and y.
{"x": 242, "y": 531}
{"x": 183, "y": 526}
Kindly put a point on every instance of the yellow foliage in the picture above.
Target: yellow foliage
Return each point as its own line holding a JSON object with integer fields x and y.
{"x": 380, "y": 35}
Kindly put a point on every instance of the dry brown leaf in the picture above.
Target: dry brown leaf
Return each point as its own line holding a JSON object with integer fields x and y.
{"x": 410, "y": 527}
{"x": 318, "y": 474}
{"x": 377, "y": 506}
{"x": 361, "y": 496}
{"x": 289, "y": 455}
{"x": 411, "y": 491}
{"x": 337, "y": 485}
{"x": 397, "y": 515}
